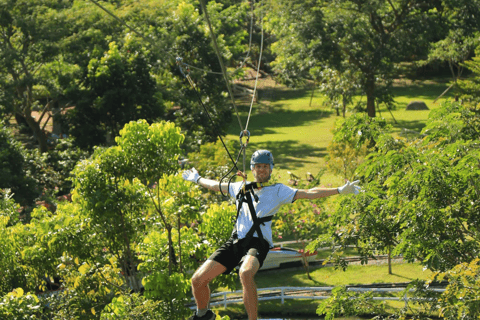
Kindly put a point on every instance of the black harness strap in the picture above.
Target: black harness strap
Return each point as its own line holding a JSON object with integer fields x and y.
{"x": 246, "y": 196}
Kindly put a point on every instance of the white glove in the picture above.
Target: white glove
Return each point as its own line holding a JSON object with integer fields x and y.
{"x": 350, "y": 187}
{"x": 191, "y": 175}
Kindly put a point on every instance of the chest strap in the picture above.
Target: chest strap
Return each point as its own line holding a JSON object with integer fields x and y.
{"x": 247, "y": 197}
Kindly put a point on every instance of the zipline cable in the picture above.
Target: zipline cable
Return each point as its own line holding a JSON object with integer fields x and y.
{"x": 123, "y": 22}
{"x": 243, "y": 132}
{"x": 214, "y": 39}
{"x": 258, "y": 72}
{"x": 199, "y": 97}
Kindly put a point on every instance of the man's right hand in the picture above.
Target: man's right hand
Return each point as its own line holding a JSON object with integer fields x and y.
{"x": 191, "y": 175}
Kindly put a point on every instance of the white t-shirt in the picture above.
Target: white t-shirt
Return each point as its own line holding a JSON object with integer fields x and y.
{"x": 270, "y": 199}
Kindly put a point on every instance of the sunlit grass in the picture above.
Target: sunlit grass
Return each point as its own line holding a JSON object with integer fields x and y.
{"x": 325, "y": 277}
{"x": 298, "y": 129}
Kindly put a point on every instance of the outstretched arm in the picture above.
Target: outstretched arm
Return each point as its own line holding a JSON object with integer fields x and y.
{"x": 314, "y": 193}
{"x": 193, "y": 176}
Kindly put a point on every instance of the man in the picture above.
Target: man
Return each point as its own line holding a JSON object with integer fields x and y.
{"x": 252, "y": 236}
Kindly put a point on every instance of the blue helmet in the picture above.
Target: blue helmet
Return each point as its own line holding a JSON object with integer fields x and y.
{"x": 262, "y": 156}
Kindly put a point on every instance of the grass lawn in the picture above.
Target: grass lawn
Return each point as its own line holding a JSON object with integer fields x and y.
{"x": 323, "y": 277}
{"x": 298, "y": 132}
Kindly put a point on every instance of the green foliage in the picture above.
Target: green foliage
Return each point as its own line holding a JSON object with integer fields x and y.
{"x": 348, "y": 303}
{"x": 428, "y": 187}
{"x": 359, "y": 130}
{"x": 8, "y": 207}
{"x": 171, "y": 291}
{"x": 217, "y": 224}
{"x": 212, "y": 160}
{"x": 460, "y": 300}
{"x": 14, "y": 173}
{"x": 351, "y": 37}
{"x": 343, "y": 159}
{"x": 133, "y": 306}
{"x": 216, "y": 227}
{"x": 21, "y": 306}
{"x": 87, "y": 289}
{"x": 9, "y": 267}
{"x": 118, "y": 88}
{"x": 420, "y": 198}
{"x": 153, "y": 149}
{"x": 351, "y": 139}
{"x": 38, "y": 75}
{"x": 453, "y": 122}
{"x": 471, "y": 86}
{"x": 338, "y": 87}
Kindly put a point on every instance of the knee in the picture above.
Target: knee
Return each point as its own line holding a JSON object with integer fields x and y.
{"x": 198, "y": 280}
{"x": 246, "y": 275}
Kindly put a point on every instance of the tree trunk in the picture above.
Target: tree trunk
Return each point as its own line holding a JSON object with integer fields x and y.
{"x": 171, "y": 251}
{"x": 370, "y": 90}
{"x": 313, "y": 91}
{"x": 37, "y": 131}
{"x": 179, "y": 247}
{"x": 389, "y": 259}
{"x": 305, "y": 261}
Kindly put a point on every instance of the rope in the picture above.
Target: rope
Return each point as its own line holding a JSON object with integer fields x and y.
{"x": 214, "y": 39}
{"x": 258, "y": 72}
{"x": 187, "y": 75}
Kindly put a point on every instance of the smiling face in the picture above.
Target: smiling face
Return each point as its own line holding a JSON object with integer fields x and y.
{"x": 262, "y": 172}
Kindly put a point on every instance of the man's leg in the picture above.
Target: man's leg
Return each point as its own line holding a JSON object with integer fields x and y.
{"x": 247, "y": 273}
{"x": 200, "y": 280}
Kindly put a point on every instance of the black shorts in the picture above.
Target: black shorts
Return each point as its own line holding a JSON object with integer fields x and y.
{"x": 232, "y": 253}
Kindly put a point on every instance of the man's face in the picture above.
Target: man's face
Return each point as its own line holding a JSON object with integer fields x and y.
{"x": 262, "y": 172}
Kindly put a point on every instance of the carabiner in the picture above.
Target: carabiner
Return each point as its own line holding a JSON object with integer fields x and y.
{"x": 244, "y": 133}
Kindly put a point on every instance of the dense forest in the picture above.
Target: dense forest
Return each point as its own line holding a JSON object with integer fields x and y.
{"x": 93, "y": 204}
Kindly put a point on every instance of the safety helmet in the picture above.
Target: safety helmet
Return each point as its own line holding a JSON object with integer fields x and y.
{"x": 262, "y": 156}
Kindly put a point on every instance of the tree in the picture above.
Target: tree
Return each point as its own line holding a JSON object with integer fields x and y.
{"x": 9, "y": 268}
{"x": 338, "y": 87}
{"x": 460, "y": 20}
{"x": 431, "y": 184}
{"x": 367, "y": 37}
{"x": 118, "y": 89}
{"x": 455, "y": 49}
{"x": 471, "y": 87}
{"x": 352, "y": 139}
{"x": 14, "y": 169}
{"x": 33, "y": 70}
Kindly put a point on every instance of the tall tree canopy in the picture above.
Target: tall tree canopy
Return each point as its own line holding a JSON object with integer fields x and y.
{"x": 359, "y": 36}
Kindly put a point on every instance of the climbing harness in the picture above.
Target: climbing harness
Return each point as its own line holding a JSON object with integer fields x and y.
{"x": 245, "y": 195}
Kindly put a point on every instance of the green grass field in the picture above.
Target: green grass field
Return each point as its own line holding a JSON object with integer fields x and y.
{"x": 298, "y": 134}
{"x": 324, "y": 277}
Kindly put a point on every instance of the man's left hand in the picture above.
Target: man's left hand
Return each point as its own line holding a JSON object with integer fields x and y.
{"x": 350, "y": 187}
